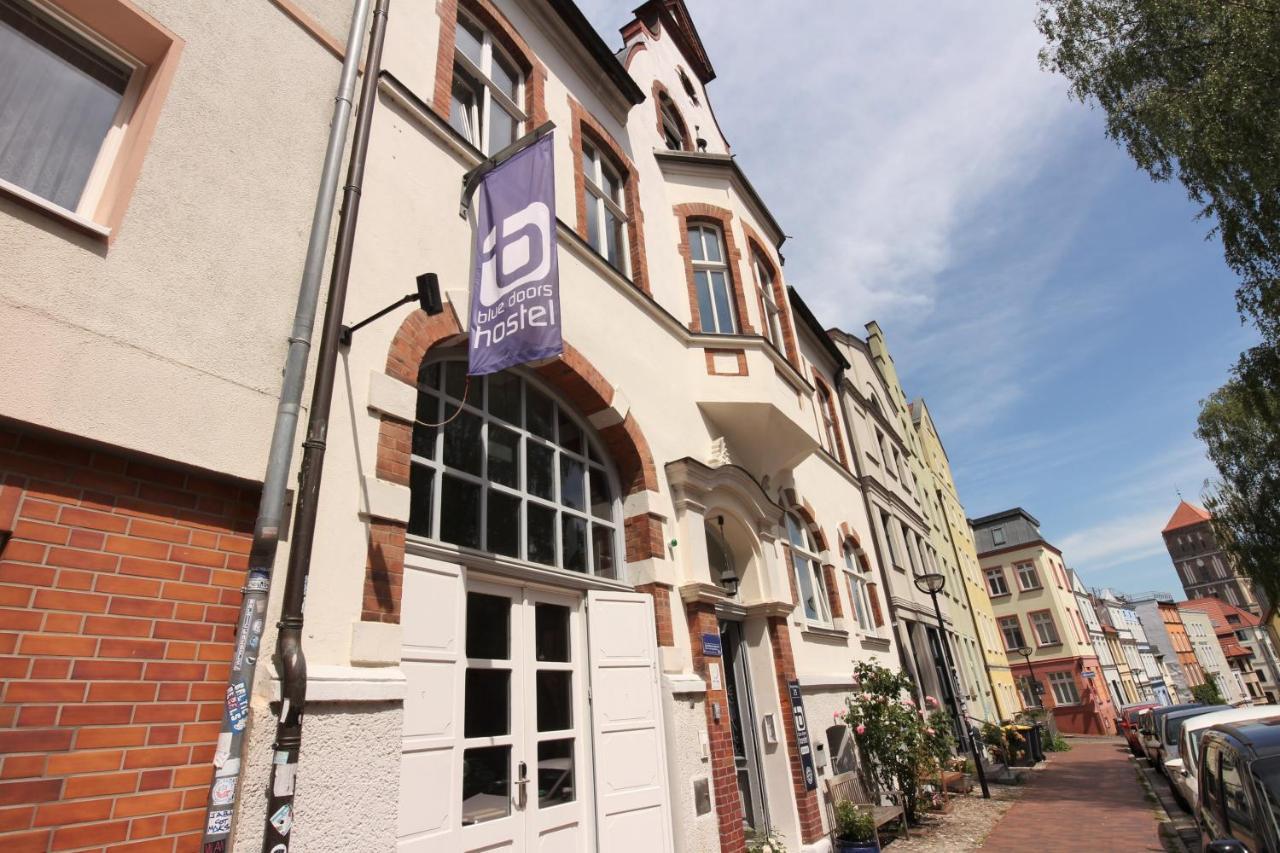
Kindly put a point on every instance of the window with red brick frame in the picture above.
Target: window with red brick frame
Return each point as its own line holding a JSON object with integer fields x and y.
{"x": 489, "y": 85}
{"x": 671, "y": 125}
{"x": 775, "y": 315}
{"x": 828, "y": 422}
{"x": 711, "y": 258}
{"x": 607, "y": 197}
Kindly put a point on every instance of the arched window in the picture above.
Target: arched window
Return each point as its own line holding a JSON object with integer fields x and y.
{"x": 769, "y": 308}
{"x": 606, "y": 206}
{"x": 514, "y": 472}
{"x": 674, "y": 133}
{"x": 711, "y": 280}
{"x": 858, "y": 591}
{"x": 486, "y": 91}
{"x": 808, "y": 570}
{"x": 688, "y": 85}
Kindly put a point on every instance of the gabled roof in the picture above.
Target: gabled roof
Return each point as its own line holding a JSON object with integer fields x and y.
{"x": 1219, "y": 610}
{"x": 571, "y": 16}
{"x": 1186, "y": 515}
{"x": 675, "y": 18}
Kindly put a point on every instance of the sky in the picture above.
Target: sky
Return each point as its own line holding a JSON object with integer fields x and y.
{"x": 1061, "y": 314}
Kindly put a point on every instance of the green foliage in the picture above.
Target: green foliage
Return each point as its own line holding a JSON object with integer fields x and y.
{"x": 1240, "y": 425}
{"x": 1057, "y": 743}
{"x": 765, "y": 841}
{"x": 1208, "y": 692}
{"x": 1190, "y": 88}
{"x": 854, "y": 823}
{"x": 889, "y": 731}
{"x": 938, "y": 741}
{"x": 1006, "y": 743}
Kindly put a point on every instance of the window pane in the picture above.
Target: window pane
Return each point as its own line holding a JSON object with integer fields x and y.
{"x": 504, "y": 523}
{"x": 462, "y": 447}
{"x": 551, "y": 632}
{"x": 539, "y": 473}
{"x": 806, "y": 586}
{"x": 460, "y": 512}
{"x": 429, "y": 375}
{"x": 421, "y": 483}
{"x": 542, "y": 533}
{"x": 486, "y": 784}
{"x": 575, "y": 543}
{"x": 540, "y": 412}
{"x": 464, "y": 108}
{"x": 713, "y": 245}
{"x": 58, "y": 100}
{"x": 601, "y": 495}
{"x": 705, "y": 311}
{"x": 488, "y": 626}
{"x": 720, "y": 292}
{"x": 505, "y": 75}
{"x": 488, "y": 703}
{"x": 424, "y": 437}
{"x": 613, "y": 234}
{"x": 504, "y": 456}
{"x": 570, "y": 435}
{"x": 555, "y": 700}
{"x": 456, "y": 386}
{"x": 504, "y": 398}
{"x": 555, "y": 773}
{"x": 468, "y": 40}
{"x": 594, "y": 204}
{"x": 502, "y": 128}
{"x": 602, "y": 551}
{"x": 572, "y": 485}
{"x": 612, "y": 185}
{"x": 588, "y": 161}
{"x": 695, "y": 244}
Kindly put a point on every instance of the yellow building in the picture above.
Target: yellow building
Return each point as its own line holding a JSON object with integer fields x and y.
{"x": 954, "y": 540}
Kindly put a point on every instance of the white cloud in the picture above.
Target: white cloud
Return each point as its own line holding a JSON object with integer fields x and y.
{"x": 1116, "y": 542}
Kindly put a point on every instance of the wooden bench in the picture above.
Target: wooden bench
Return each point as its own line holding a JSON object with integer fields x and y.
{"x": 850, "y": 787}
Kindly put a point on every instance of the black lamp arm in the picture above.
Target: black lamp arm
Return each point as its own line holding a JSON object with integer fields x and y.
{"x": 348, "y": 331}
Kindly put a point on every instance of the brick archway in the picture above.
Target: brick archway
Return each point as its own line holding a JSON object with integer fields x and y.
{"x": 575, "y": 379}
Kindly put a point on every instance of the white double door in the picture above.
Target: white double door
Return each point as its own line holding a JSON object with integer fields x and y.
{"x": 525, "y": 748}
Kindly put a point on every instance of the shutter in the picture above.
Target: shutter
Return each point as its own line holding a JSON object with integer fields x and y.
{"x": 633, "y": 811}
{"x": 875, "y": 604}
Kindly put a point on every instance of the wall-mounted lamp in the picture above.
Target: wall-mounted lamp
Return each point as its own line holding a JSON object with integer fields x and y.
{"x": 728, "y": 578}
{"x": 427, "y": 296}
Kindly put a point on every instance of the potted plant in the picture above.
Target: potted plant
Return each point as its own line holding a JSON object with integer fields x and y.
{"x": 855, "y": 829}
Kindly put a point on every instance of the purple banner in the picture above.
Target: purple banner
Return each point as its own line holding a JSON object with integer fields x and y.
{"x": 515, "y": 291}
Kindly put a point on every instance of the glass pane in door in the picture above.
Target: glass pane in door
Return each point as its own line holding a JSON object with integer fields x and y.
{"x": 486, "y": 781}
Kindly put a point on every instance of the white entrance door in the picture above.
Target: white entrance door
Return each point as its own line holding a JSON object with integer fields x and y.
{"x": 519, "y": 776}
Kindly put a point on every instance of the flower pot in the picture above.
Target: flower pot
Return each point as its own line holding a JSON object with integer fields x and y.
{"x": 843, "y": 846}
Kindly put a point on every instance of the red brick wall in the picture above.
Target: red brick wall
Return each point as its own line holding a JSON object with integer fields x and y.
{"x": 785, "y": 666}
{"x": 118, "y": 598}
{"x": 724, "y": 778}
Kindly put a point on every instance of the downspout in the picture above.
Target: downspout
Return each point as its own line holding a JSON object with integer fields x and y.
{"x": 903, "y": 636}
{"x": 292, "y": 661}
{"x": 223, "y": 794}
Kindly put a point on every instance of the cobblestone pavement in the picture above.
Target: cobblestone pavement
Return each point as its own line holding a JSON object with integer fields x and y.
{"x": 964, "y": 827}
{"x": 1087, "y": 799}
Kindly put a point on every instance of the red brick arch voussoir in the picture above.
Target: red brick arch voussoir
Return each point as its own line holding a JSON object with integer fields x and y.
{"x": 572, "y": 376}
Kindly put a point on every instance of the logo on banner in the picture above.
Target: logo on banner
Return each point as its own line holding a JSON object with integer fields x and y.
{"x": 515, "y": 291}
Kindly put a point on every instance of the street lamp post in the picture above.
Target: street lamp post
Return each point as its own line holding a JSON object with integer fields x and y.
{"x": 1027, "y": 652}
{"x": 932, "y": 583}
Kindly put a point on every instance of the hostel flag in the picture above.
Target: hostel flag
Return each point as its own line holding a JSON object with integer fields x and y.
{"x": 515, "y": 289}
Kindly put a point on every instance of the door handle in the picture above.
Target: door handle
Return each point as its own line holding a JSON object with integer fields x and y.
{"x": 522, "y": 783}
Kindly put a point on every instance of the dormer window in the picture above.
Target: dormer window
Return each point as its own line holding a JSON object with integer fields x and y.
{"x": 486, "y": 90}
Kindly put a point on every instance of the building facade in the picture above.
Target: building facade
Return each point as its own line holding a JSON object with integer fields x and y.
{"x": 1109, "y": 672}
{"x": 1163, "y": 627}
{"x": 1203, "y": 567}
{"x": 953, "y": 539}
{"x": 1237, "y": 629}
{"x": 1212, "y": 654}
{"x": 1037, "y": 611}
{"x": 625, "y": 575}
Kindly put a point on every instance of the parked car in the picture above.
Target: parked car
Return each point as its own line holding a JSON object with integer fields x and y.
{"x": 1239, "y": 777}
{"x": 1170, "y": 727}
{"x": 1127, "y": 725}
{"x": 1182, "y": 769}
{"x": 1151, "y": 730}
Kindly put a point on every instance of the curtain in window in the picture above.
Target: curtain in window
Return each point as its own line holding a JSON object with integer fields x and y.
{"x": 57, "y": 102}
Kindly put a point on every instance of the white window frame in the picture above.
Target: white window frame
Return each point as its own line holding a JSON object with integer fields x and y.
{"x": 482, "y": 75}
{"x": 594, "y": 458}
{"x": 828, "y": 427}
{"x": 997, "y": 535}
{"x": 599, "y": 204}
{"x": 810, "y": 584}
{"x": 672, "y": 125}
{"x": 705, "y": 231}
{"x": 859, "y": 594}
{"x": 1028, "y": 577}
{"x": 104, "y": 161}
{"x": 769, "y": 307}
{"x": 1000, "y": 626}
{"x": 994, "y": 573}
{"x": 1065, "y": 691}
{"x": 1043, "y": 619}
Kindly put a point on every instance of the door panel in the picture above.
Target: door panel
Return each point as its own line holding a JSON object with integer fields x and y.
{"x": 632, "y": 809}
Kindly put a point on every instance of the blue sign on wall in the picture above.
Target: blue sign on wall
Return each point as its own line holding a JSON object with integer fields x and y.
{"x": 711, "y": 645}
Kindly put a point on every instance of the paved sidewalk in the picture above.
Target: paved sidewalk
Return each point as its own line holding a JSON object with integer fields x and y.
{"x": 1087, "y": 799}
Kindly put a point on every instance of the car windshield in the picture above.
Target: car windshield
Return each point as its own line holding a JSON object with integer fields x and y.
{"x": 1267, "y": 773}
{"x": 1173, "y": 725}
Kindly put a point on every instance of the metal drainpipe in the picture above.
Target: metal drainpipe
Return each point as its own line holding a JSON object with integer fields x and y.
{"x": 292, "y": 661}
{"x": 223, "y": 793}
{"x": 907, "y": 660}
